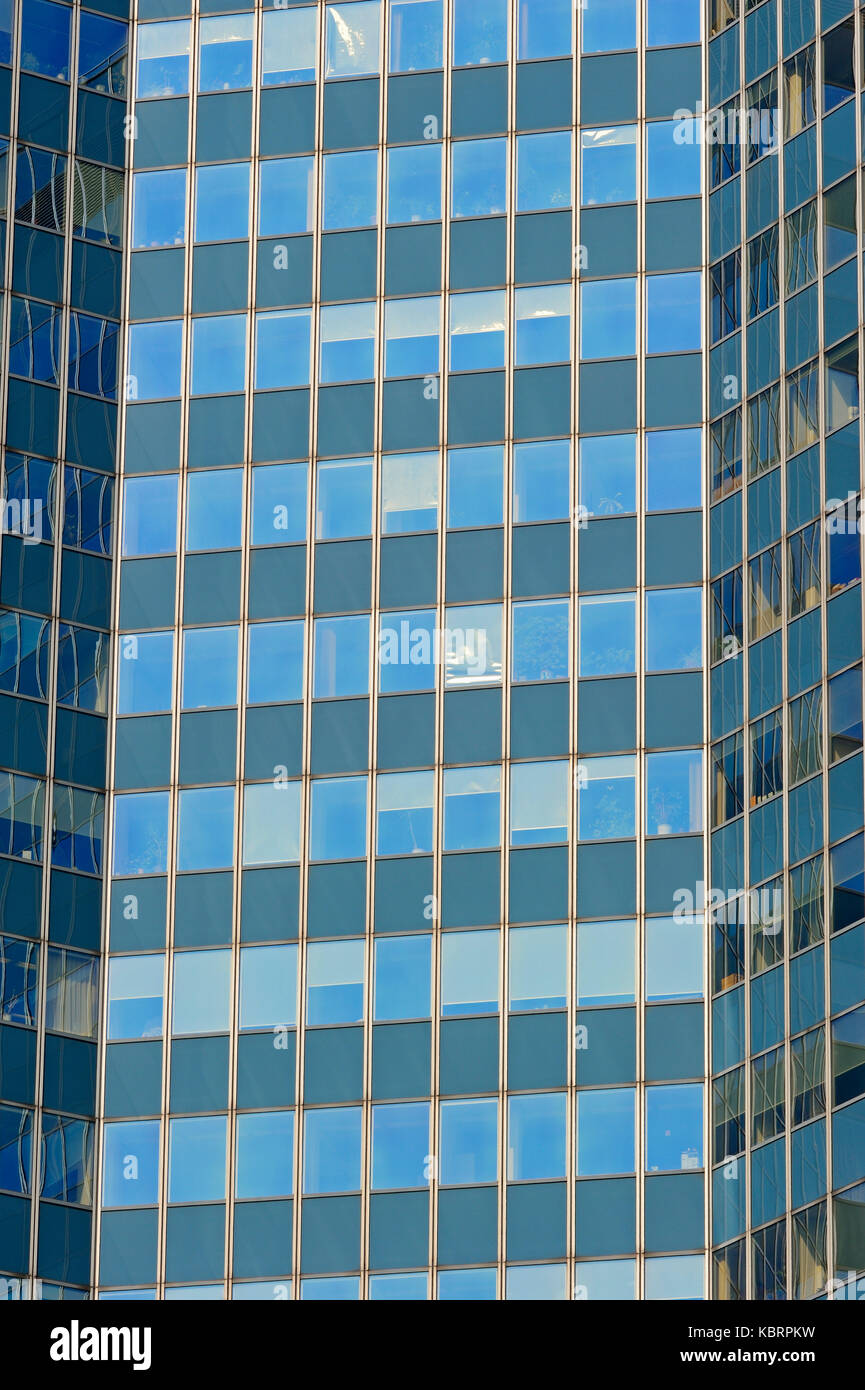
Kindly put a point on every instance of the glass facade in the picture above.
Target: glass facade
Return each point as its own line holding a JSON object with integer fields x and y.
{"x": 431, "y": 847}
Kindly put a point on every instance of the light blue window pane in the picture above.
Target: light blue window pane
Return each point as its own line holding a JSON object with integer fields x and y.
{"x": 473, "y": 645}
{"x": 674, "y": 958}
{"x": 407, "y": 651}
{"x": 400, "y": 1145}
{"x": 673, "y": 159}
{"x": 416, "y": 35}
{"x": 407, "y": 1288}
{"x": 350, "y": 189}
{"x": 609, "y": 165}
{"x": 469, "y": 1141}
{"x": 606, "y": 962}
{"x": 288, "y": 46}
{"x": 338, "y": 818}
{"x": 479, "y": 177}
{"x": 608, "y": 318}
{"x": 225, "y": 53}
{"x": 348, "y": 342}
{"x": 467, "y": 1285}
{"x": 209, "y": 667}
{"x": 214, "y": 509}
{"x": 145, "y": 675}
{"x": 673, "y": 21}
{"x": 127, "y": 1295}
{"x": 477, "y": 331}
{"x": 344, "y": 499}
{"x": 674, "y": 1127}
{"x": 608, "y": 634}
{"x": 135, "y": 996}
{"x": 542, "y": 480}
{"x": 544, "y": 28}
{"x": 412, "y": 337}
{"x": 334, "y": 982}
{"x": 130, "y": 1165}
{"x": 536, "y": 1136}
{"x": 283, "y": 348}
{"x": 674, "y": 469}
{"x": 475, "y": 486}
{"x": 609, "y": 26}
{"x": 674, "y": 1276}
{"x": 608, "y": 474}
{"x": 155, "y": 360}
{"x": 221, "y": 202}
{"x": 351, "y": 39}
{"x": 404, "y": 813}
{"x": 286, "y": 199}
{"x": 544, "y": 171}
{"x": 540, "y": 793}
{"x": 605, "y": 1132}
{"x": 202, "y": 992}
{"x": 673, "y": 312}
{"x": 472, "y": 808}
{"x": 409, "y": 493}
{"x": 607, "y": 793}
{"x": 268, "y": 986}
{"x": 265, "y": 1154}
{"x": 480, "y": 36}
{"x": 197, "y": 1293}
{"x": 402, "y": 977}
{"x": 141, "y": 833}
{"x": 343, "y": 1290}
{"x": 674, "y": 792}
{"x": 271, "y": 823}
{"x": 541, "y": 633}
{"x": 470, "y": 973}
{"x": 163, "y": 59}
{"x": 218, "y": 354}
{"x": 674, "y": 629}
{"x": 331, "y": 1151}
{"x": 279, "y": 504}
{"x": 206, "y": 834}
{"x": 612, "y": 1280}
{"x": 275, "y": 670}
{"x": 159, "y": 208}
{"x": 261, "y": 1291}
{"x": 414, "y": 177}
{"x": 150, "y": 515}
{"x": 537, "y": 1283}
{"x": 538, "y": 968}
{"x": 196, "y": 1159}
{"x": 542, "y": 325}
{"x": 341, "y": 660}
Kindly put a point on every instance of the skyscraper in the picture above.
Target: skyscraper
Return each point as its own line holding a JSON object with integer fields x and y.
{"x": 431, "y": 796}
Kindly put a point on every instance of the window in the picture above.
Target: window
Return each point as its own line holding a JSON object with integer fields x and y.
{"x": 403, "y": 981}
{"x": 348, "y": 342}
{"x": 159, "y": 208}
{"x": 674, "y": 1127}
{"x": 542, "y": 325}
{"x": 607, "y": 798}
{"x": 472, "y": 808}
{"x": 801, "y": 247}
{"x": 674, "y": 629}
{"x": 24, "y": 652}
{"x": 19, "y": 966}
{"x": 673, "y": 159}
{"x": 839, "y": 222}
{"x": 839, "y": 80}
{"x": 473, "y": 645}
{"x": 205, "y": 837}
{"x": 480, "y": 32}
{"x": 265, "y": 1154}
{"x": 334, "y": 982}
{"x": 271, "y": 823}
{"x": 608, "y": 318}
{"x": 543, "y": 28}
{"x": 218, "y": 354}
{"x": 606, "y": 1132}
{"x": 141, "y": 833}
{"x": 338, "y": 818}
{"x": 674, "y": 469}
{"x": 606, "y": 962}
{"x": 609, "y": 164}
{"x": 286, "y": 197}
{"x": 726, "y": 296}
{"x": 135, "y": 996}
{"x": 799, "y": 92}
{"x": 764, "y": 578}
{"x": 163, "y": 59}
{"x": 845, "y": 714}
{"x": 350, "y": 190}
{"x": 767, "y": 758}
{"x": 416, "y": 35}
{"x": 288, "y": 46}
{"x": 331, "y": 1152}
{"x": 196, "y": 1159}
{"x": 45, "y": 38}
{"x": 543, "y": 171}
{"x": 763, "y": 271}
{"x": 477, "y": 331}
{"x": 673, "y": 22}
{"x": 803, "y": 408}
{"x": 268, "y": 986}
{"x": 82, "y": 668}
{"x": 405, "y": 813}
{"x": 275, "y": 668}
{"x": 542, "y": 480}
{"x": 150, "y": 515}
{"x": 130, "y": 1166}
{"x": 155, "y": 360}
{"x": 541, "y": 632}
{"x": 610, "y": 26}
{"x": 674, "y": 958}
{"x": 414, "y": 183}
{"x": 97, "y": 202}
{"x": 202, "y": 992}
{"x": 351, "y": 39}
{"x": 538, "y": 968}
{"x": 479, "y": 174}
{"x": 279, "y": 504}
{"x": 608, "y": 469}
{"x": 341, "y": 657}
{"x": 469, "y": 1141}
{"x": 673, "y": 312}
{"x": 764, "y": 431}
{"x": 400, "y": 1146}
{"x": 282, "y": 350}
{"x": 470, "y": 973}
{"x": 209, "y": 667}
{"x": 214, "y": 509}
{"x": 804, "y": 569}
{"x": 40, "y": 189}
{"x": 674, "y": 793}
{"x": 225, "y": 52}
{"x": 536, "y": 1136}
{"x": 608, "y": 635}
{"x": 344, "y": 499}
{"x": 72, "y": 992}
{"x": 34, "y": 341}
{"x": 409, "y": 492}
{"x": 842, "y": 384}
{"x": 539, "y": 803}
{"x": 221, "y": 202}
